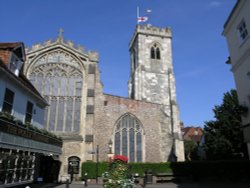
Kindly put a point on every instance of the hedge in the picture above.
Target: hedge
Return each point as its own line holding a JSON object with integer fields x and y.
{"x": 195, "y": 170}
{"x": 154, "y": 167}
{"x": 140, "y": 168}
{"x": 227, "y": 170}
{"x": 90, "y": 168}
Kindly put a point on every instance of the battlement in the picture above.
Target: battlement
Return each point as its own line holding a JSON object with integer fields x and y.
{"x": 151, "y": 30}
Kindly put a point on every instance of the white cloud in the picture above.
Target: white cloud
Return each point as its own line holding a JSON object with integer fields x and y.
{"x": 214, "y": 4}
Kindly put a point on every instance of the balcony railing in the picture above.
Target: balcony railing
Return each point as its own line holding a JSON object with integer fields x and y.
{"x": 28, "y": 131}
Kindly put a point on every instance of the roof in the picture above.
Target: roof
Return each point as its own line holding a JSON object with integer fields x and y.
{"x": 10, "y": 45}
{"x": 231, "y": 13}
{"x": 16, "y": 47}
{"x": 192, "y": 133}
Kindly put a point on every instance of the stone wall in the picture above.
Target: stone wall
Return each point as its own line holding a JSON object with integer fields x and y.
{"x": 155, "y": 124}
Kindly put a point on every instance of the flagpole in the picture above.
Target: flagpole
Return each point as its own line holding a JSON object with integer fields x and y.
{"x": 137, "y": 14}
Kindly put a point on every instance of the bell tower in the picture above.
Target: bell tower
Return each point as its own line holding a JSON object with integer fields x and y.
{"x": 151, "y": 75}
{"x": 152, "y": 80}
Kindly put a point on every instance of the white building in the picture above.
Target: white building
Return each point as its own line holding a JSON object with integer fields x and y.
{"x": 23, "y": 146}
{"x": 236, "y": 30}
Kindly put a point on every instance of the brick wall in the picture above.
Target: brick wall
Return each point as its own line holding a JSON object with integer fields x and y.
{"x": 155, "y": 125}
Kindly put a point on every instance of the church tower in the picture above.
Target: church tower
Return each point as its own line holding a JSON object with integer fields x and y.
{"x": 152, "y": 79}
{"x": 151, "y": 75}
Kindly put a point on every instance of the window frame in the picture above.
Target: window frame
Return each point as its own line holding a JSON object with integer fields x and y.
{"x": 29, "y": 112}
{"x": 242, "y": 30}
{"x": 155, "y": 52}
{"x": 15, "y": 64}
{"x": 8, "y": 101}
{"x": 122, "y": 132}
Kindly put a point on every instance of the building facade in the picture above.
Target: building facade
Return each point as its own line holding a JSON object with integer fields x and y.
{"x": 236, "y": 30}
{"x": 144, "y": 127}
{"x": 23, "y": 145}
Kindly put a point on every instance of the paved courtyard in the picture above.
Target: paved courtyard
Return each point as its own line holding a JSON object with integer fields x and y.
{"x": 227, "y": 184}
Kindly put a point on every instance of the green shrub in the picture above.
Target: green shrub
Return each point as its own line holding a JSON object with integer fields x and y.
{"x": 226, "y": 170}
{"x": 89, "y": 167}
{"x": 140, "y": 168}
{"x": 195, "y": 170}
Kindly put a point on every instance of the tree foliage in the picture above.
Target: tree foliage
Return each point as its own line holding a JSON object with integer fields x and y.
{"x": 190, "y": 148}
{"x": 224, "y": 136}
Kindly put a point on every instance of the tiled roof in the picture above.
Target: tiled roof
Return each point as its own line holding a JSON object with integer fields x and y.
{"x": 189, "y": 133}
{"x": 10, "y": 45}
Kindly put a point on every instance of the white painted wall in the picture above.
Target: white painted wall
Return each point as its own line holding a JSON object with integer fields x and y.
{"x": 240, "y": 58}
{"x": 236, "y": 46}
{"x": 20, "y": 101}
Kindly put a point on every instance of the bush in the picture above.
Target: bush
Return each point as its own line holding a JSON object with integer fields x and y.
{"x": 140, "y": 168}
{"x": 225, "y": 170}
{"x": 195, "y": 170}
{"x": 89, "y": 167}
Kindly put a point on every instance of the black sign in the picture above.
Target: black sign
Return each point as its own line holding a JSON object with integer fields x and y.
{"x": 73, "y": 166}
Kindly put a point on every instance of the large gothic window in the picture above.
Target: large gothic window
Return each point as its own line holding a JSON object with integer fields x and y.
{"x": 59, "y": 78}
{"x": 155, "y": 52}
{"x": 128, "y": 138}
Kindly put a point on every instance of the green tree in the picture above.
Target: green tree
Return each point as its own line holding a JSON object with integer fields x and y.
{"x": 223, "y": 136}
{"x": 190, "y": 147}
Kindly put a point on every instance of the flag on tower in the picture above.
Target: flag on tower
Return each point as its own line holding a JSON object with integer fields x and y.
{"x": 142, "y": 19}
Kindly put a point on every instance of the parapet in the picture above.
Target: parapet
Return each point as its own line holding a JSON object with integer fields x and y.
{"x": 151, "y": 30}
{"x": 93, "y": 56}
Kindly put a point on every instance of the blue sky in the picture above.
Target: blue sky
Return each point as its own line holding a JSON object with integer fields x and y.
{"x": 106, "y": 26}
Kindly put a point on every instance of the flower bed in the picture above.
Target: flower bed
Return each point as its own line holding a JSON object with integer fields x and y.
{"x": 118, "y": 175}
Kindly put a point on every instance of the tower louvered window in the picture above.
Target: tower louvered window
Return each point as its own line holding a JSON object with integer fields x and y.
{"x": 155, "y": 52}
{"x": 129, "y": 138}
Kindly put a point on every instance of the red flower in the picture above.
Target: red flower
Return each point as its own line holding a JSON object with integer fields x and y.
{"x": 121, "y": 158}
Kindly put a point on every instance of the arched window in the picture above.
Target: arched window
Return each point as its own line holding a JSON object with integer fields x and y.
{"x": 152, "y": 53}
{"x": 128, "y": 138}
{"x": 59, "y": 78}
{"x": 155, "y": 52}
{"x": 158, "y": 53}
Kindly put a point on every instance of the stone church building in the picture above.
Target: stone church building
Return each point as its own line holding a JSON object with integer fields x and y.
{"x": 145, "y": 127}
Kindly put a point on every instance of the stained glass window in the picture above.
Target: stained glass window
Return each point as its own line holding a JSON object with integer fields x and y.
{"x": 128, "y": 138}
{"x": 57, "y": 75}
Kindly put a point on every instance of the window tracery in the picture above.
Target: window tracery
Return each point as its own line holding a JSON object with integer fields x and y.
{"x": 59, "y": 78}
{"x": 128, "y": 138}
{"x": 155, "y": 52}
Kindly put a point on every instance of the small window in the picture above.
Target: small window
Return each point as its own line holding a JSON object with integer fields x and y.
{"x": 152, "y": 53}
{"x": 242, "y": 29}
{"x": 155, "y": 52}
{"x": 134, "y": 60}
{"x": 158, "y": 53}
{"x": 15, "y": 65}
{"x": 248, "y": 78}
{"x": 29, "y": 110}
{"x": 8, "y": 101}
